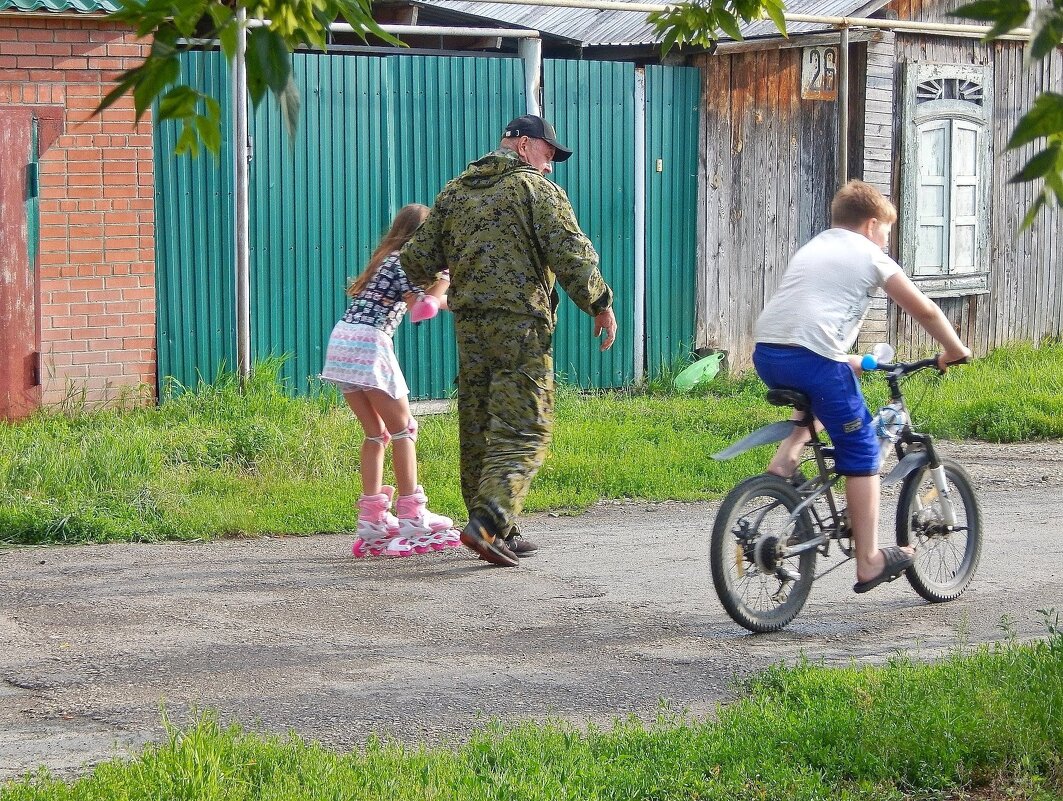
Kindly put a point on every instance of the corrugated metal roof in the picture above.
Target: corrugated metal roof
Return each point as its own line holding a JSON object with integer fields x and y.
{"x": 61, "y": 6}
{"x": 591, "y": 27}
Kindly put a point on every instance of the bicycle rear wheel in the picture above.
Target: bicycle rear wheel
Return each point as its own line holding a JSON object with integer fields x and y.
{"x": 946, "y": 556}
{"x": 759, "y": 589}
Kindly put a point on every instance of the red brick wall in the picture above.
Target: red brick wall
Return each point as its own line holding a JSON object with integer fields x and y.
{"x": 97, "y": 249}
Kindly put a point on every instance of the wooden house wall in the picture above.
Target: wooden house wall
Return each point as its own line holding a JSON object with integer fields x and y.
{"x": 1025, "y": 298}
{"x": 767, "y": 159}
{"x": 875, "y": 152}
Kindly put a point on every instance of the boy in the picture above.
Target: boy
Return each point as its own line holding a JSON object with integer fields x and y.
{"x": 803, "y": 339}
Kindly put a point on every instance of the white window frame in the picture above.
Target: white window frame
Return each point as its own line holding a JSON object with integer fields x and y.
{"x": 949, "y": 115}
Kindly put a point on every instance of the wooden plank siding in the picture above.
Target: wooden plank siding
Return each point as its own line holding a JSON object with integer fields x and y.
{"x": 768, "y": 161}
{"x": 876, "y": 153}
{"x": 767, "y": 158}
{"x": 1025, "y": 298}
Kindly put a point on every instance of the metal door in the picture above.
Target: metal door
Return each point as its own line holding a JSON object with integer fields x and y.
{"x": 20, "y": 392}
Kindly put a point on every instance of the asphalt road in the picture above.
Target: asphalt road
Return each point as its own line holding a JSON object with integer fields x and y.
{"x": 614, "y": 616}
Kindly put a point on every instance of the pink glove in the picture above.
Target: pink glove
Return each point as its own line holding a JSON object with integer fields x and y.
{"x": 424, "y": 309}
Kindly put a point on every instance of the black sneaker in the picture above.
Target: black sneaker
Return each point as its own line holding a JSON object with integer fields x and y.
{"x": 478, "y": 536}
{"x": 519, "y": 544}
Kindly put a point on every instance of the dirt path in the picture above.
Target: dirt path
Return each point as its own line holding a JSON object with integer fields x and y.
{"x": 616, "y": 614}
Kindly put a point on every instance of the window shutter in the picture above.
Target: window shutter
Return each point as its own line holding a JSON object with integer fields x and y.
{"x": 965, "y": 218}
{"x": 932, "y": 201}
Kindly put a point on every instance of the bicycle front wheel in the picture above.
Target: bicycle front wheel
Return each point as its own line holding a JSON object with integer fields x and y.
{"x": 946, "y": 556}
{"x": 760, "y": 588}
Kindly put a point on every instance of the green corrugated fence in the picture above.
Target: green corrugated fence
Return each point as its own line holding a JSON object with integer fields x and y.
{"x": 377, "y": 132}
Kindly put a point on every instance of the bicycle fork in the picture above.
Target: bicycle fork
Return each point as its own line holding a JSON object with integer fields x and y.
{"x": 940, "y": 493}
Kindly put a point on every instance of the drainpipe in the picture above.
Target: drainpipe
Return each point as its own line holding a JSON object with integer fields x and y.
{"x": 843, "y": 107}
{"x": 530, "y": 51}
{"x": 241, "y": 159}
{"x": 639, "y": 333}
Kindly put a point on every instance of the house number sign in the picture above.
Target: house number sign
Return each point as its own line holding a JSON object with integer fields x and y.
{"x": 819, "y": 73}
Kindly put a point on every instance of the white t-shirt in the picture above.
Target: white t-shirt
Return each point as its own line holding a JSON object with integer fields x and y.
{"x": 824, "y": 294}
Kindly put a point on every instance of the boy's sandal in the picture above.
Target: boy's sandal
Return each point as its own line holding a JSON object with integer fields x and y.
{"x": 897, "y": 561}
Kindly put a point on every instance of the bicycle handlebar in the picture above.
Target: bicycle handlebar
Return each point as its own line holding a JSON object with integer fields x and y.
{"x": 907, "y": 368}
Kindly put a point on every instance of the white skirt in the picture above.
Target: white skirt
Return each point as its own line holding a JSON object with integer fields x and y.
{"x": 362, "y": 357}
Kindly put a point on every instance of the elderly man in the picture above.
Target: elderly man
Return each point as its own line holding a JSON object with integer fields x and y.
{"x": 505, "y": 232}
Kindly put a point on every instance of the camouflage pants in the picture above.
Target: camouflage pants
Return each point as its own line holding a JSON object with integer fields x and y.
{"x": 505, "y": 408}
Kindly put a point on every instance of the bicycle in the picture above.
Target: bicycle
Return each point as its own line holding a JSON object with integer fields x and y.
{"x": 770, "y": 530}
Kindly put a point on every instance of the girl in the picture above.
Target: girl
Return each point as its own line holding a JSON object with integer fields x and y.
{"x": 360, "y": 361}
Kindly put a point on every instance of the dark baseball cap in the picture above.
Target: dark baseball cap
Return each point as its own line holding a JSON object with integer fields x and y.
{"x": 537, "y": 128}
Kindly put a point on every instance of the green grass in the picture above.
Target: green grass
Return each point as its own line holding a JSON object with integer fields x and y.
{"x": 988, "y": 721}
{"x": 215, "y": 462}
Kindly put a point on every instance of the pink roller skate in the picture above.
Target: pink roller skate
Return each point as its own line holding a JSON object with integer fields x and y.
{"x": 424, "y": 530}
{"x": 376, "y": 537}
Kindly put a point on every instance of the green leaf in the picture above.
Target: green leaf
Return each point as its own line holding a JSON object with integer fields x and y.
{"x": 125, "y": 82}
{"x": 187, "y": 15}
{"x": 1031, "y": 213}
{"x": 1044, "y": 119}
{"x": 187, "y": 142}
{"x": 213, "y": 108}
{"x": 775, "y": 13}
{"x": 1006, "y": 14}
{"x": 256, "y": 86}
{"x": 221, "y": 14}
{"x": 728, "y": 24}
{"x": 178, "y": 103}
{"x": 982, "y": 10}
{"x": 1049, "y": 34}
{"x": 1054, "y": 180}
{"x": 1039, "y": 165}
{"x": 360, "y": 17}
{"x": 155, "y": 75}
{"x": 228, "y": 38}
{"x": 669, "y": 41}
{"x": 268, "y": 55}
{"x": 290, "y": 103}
{"x": 210, "y": 132}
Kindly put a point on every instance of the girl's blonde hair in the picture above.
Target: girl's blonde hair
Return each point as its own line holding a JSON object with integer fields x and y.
{"x": 402, "y": 228}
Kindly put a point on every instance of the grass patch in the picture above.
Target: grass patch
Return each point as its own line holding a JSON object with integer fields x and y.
{"x": 987, "y": 721}
{"x": 214, "y": 461}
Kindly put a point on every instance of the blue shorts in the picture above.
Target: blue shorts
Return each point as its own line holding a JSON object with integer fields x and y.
{"x": 837, "y": 401}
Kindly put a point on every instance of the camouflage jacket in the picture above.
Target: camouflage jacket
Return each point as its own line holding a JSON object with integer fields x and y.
{"x": 505, "y": 232}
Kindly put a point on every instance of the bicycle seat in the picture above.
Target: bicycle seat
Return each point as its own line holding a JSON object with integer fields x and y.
{"x": 789, "y": 397}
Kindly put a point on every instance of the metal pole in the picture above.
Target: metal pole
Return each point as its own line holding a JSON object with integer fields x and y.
{"x": 427, "y": 30}
{"x": 843, "y": 107}
{"x": 240, "y": 205}
{"x": 531, "y": 53}
{"x": 639, "y": 289}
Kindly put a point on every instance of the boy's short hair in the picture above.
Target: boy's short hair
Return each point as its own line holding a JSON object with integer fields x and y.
{"x": 857, "y": 202}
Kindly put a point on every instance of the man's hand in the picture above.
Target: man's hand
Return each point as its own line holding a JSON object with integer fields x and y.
{"x": 605, "y": 321}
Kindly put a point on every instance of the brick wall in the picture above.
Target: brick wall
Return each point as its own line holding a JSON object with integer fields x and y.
{"x": 97, "y": 224}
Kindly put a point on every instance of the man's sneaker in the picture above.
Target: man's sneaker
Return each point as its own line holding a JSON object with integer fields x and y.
{"x": 479, "y": 537}
{"x": 519, "y": 544}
